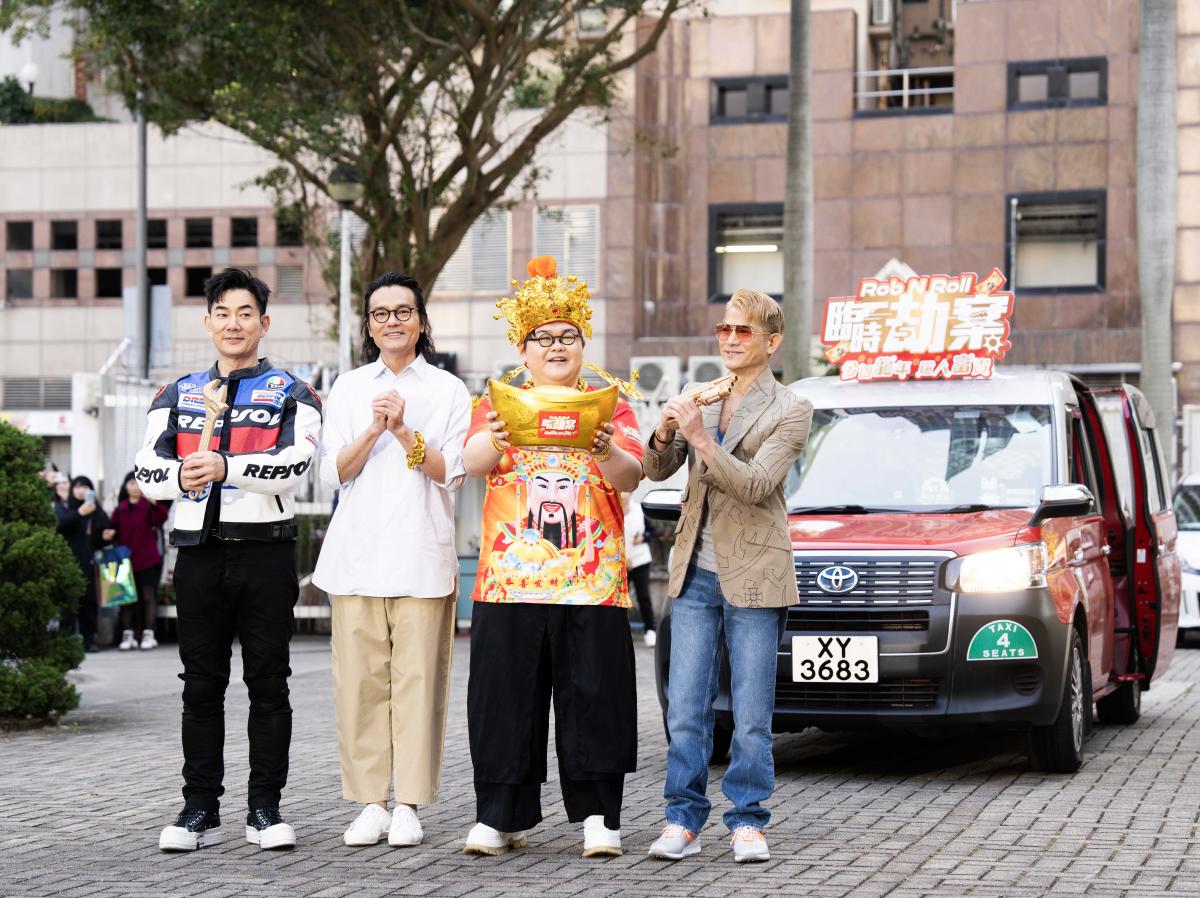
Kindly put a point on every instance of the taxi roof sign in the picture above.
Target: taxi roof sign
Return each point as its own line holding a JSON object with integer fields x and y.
{"x": 929, "y": 327}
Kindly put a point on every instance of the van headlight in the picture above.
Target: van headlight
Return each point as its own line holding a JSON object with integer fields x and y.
{"x": 1004, "y": 570}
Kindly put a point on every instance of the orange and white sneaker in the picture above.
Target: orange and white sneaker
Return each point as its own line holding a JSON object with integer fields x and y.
{"x": 749, "y": 845}
{"x": 675, "y": 843}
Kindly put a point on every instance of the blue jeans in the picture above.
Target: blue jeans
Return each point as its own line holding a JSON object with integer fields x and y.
{"x": 699, "y": 617}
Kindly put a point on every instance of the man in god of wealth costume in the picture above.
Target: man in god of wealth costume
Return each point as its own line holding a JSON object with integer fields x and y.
{"x": 549, "y": 619}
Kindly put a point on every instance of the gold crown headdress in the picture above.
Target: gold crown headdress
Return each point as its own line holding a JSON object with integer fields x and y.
{"x": 545, "y": 297}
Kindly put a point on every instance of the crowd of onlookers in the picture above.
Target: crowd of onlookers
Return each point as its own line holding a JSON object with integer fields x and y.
{"x": 135, "y": 523}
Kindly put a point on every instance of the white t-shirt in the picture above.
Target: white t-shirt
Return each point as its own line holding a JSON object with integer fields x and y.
{"x": 393, "y": 531}
{"x": 637, "y": 550}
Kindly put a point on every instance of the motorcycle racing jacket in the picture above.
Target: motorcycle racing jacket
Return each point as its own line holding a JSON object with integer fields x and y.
{"x": 268, "y": 438}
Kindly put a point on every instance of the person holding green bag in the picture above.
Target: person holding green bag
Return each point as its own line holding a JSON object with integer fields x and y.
{"x": 136, "y": 523}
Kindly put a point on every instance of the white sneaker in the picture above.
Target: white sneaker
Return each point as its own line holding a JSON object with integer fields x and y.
{"x": 749, "y": 845}
{"x": 368, "y": 827}
{"x": 406, "y": 828}
{"x": 599, "y": 841}
{"x": 482, "y": 839}
{"x": 675, "y": 843}
{"x": 266, "y": 829}
{"x": 148, "y": 640}
{"x": 127, "y": 641}
{"x": 650, "y": 638}
{"x": 193, "y": 828}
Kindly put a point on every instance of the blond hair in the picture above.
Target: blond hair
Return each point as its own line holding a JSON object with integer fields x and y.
{"x": 759, "y": 307}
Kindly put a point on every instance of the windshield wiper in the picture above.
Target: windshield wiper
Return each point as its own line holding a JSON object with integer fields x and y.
{"x": 960, "y": 509}
{"x": 833, "y": 509}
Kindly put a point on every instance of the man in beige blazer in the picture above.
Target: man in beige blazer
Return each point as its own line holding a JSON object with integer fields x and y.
{"x": 731, "y": 574}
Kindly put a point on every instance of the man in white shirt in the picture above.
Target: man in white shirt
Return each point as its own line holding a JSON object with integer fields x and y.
{"x": 392, "y": 444}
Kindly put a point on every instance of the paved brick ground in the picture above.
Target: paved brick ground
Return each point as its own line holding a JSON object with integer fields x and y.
{"x": 82, "y": 805}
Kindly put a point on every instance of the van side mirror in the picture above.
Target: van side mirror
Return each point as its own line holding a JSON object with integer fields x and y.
{"x": 1063, "y": 500}
{"x": 662, "y": 504}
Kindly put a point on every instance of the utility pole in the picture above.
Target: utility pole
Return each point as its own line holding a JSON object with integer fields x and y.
{"x": 798, "y": 207}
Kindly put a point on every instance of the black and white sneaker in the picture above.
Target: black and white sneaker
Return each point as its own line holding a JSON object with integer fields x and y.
{"x": 266, "y": 829}
{"x": 193, "y": 828}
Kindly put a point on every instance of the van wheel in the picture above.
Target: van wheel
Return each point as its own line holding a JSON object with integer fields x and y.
{"x": 1058, "y": 748}
{"x": 1122, "y": 707}
{"x": 722, "y": 741}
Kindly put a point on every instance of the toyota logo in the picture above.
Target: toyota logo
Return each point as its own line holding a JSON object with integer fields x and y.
{"x": 837, "y": 580}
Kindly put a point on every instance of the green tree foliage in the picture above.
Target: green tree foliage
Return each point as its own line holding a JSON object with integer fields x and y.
{"x": 413, "y": 95}
{"x": 39, "y": 579}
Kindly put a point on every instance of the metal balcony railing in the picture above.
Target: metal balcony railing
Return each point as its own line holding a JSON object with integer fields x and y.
{"x": 897, "y": 91}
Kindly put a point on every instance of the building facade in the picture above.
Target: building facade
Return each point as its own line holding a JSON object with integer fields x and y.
{"x": 948, "y": 136}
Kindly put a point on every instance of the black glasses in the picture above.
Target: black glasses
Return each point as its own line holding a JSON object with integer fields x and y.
{"x": 403, "y": 313}
{"x": 547, "y": 340}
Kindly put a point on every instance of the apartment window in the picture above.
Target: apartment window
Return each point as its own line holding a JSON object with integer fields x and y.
{"x": 157, "y": 277}
{"x": 109, "y": 283}
{"x": 156, "y": 233}
{"x": 1050, "y": 83}
{"x": 572, "y": 235}
{"x": 64, "y": 283}
{"x": 20, "y": 236}
{"x": 745, "y": 249}
{"x": 480, "y": 264}
{"x": 737, "y": 101}
{"x": 195, "y": 278}
{"x": 288, "y": 230}
{"x": 198, "y": 233}
{"x": 289, "y": 280}
{"x": 245, "y": 232}
{"x": 64, "y": 235}
{"x": 1056, "y": 241}
{"x": 108, "y": 234}
{"x": 19, "y": 283}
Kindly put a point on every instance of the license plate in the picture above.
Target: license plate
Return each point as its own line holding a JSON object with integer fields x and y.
{"x": 835, "y": 659}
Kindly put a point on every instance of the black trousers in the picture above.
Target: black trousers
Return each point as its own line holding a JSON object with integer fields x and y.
{"x": 524, "y": 656}
{"x": 639, "y": 579}
{"x": 222, "y": 590}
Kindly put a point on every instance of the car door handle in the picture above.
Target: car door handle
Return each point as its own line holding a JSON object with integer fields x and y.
{"x": 1106, "y": 550}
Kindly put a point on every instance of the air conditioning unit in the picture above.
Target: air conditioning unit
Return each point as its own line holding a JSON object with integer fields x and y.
{"x": 703, "y": 368}
{"x": 881, "y": 12}
{"x": 659, "y": 376}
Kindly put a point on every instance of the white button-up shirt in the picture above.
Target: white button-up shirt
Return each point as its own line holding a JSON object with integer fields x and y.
{"x": 393, "y": 531}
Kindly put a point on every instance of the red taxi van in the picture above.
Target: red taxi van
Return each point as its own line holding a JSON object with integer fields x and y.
{"x": 993, "y": 553}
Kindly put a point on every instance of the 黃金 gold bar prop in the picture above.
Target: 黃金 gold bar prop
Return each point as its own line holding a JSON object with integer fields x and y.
{"x": 551, "y": 416}
{"x": 714, "y": 391}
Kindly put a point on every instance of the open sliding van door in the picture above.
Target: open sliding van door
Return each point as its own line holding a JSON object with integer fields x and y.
{"x": 1152, "y": 559}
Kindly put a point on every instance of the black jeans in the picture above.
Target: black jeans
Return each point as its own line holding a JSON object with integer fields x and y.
{"x": 639, "y": 579}
{"x": 245, "y": 589}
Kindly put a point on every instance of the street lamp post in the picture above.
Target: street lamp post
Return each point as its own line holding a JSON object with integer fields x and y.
{"x": 346, "y": 188}
{"x": 28, "y": 74}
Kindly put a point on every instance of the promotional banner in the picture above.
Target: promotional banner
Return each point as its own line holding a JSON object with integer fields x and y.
{"x": 931, "y": 327}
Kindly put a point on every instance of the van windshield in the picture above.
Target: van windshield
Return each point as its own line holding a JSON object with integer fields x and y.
{"x": 1187, "y": 507}
{"x": 931, "y": 459}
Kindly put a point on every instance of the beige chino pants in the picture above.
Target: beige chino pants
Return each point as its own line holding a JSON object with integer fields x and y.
{"x": 391, "y": 683}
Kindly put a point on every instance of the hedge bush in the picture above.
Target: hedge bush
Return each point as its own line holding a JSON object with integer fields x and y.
{"x": 39, "y": 580}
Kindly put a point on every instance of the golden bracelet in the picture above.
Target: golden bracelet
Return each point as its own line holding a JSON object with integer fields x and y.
{"x": 496, "y": 445}
{"x": 416, "y": 455}
{"x": 604, "y": 453}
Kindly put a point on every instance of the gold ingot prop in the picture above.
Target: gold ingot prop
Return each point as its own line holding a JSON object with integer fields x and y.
{"x": 552, "y": 416}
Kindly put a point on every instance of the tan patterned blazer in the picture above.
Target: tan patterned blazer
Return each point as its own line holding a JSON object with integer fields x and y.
{"x": 744, "y": 490}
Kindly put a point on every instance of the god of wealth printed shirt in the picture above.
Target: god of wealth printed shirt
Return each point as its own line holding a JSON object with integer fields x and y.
{"x": 553, "y": 529}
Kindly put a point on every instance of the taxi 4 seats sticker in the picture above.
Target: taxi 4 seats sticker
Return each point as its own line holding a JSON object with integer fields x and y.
{"x": 1002, "y": 640}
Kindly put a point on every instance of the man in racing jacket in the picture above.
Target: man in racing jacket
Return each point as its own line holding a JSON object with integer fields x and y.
{"x": 235, "y": 575}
